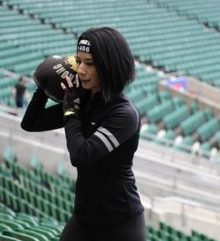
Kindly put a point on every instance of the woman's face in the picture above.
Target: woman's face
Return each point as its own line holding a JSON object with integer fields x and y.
{"x": 87, "y": 72}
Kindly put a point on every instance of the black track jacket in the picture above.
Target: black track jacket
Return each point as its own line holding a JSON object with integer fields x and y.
{"x": 101, "y": 145}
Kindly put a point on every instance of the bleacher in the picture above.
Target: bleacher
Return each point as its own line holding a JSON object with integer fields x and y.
{"x": 189, "y": 49}
{"x": 34, "y": 205}
{"x": 19, "y": 226}
{"x": 168, "y": 38}
{"x": 171, "y": 121}
{"x": 174, "y": 43}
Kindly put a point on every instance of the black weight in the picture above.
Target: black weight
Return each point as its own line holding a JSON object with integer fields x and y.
{"x": 51, "y": 72}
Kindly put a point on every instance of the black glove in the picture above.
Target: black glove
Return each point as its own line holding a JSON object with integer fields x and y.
{"x": 71, "y": 103}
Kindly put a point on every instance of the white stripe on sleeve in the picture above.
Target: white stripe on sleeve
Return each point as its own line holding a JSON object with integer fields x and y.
{"x": 111, "y": 137}
{"x": 104, "y": 140}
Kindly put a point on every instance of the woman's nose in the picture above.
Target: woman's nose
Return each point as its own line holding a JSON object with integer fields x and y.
{"x": 81, "y": 69}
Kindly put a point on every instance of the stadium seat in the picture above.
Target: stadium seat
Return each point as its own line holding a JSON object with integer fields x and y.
{"x": 166, "y": 139}
{"x": 149, "y": 132}
{"x": 193, "y": 122}
{"x": 4, "y": 227}
{"x": 8, "y": 238}
{"x": 185, "y": 145}
{"x": 9, "y": 155}
{"x": 175, "y": 118}
{"x": 19, "y": 235}
{"x": 204, "y": 149}
{"x": 160, "y": 111}
{"x": 208, "y": 129}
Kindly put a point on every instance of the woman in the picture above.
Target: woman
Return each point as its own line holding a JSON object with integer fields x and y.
{"x": 102, "y": 132}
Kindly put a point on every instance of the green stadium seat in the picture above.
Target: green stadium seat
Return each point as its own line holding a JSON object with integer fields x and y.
{"x": 217, "y": 137}
{"x": 196, "y": 236}
{"x": 149, "y": 133}
{"x": 174, "y": 119}
{"x": 185, "y": 145}
{"x": 35, "y": 163}
{"x": 19, "y": 235}
{"x": 27, "y": 218}
{"x": 9, "y": 155}
{"x": 38, "y": 236}
{"x": 167, "y": 139}
{"x": 164, "y": 96}
{"x": 208, "y": 129}
{"x": 4, "y": 227}
{"x": 8, "y": 238}
{"x": 43, "y": 231}
{"x": 192, "y": 123}
{"x": 160, "y": 111}
{"x": 11, "y": 224}
{"x": 204, "y": 149}
{"x": 5, "y": 210}
{"x": 5, "y": 216}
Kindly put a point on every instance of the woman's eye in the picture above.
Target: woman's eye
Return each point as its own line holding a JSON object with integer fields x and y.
{"x": 89, "y": 63}
{"x": 78, "y": 61}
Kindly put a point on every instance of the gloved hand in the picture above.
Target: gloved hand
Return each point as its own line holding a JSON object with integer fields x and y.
{"x": 71, "y": 101}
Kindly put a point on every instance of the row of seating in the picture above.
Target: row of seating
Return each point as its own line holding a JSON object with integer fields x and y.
{"x": 166, "y": 232}
{"x": 183, "y": 127}
{"x": 203, "y": 12}
{"x": 184, "y": 52}
{"x": 25, "y": 42}
{"x": 36, "y": 191}
{"x": 160, "y": 108}
{"x": 145, "y": 81}
{"x": 6, "y": 85}
{"x": 172, "y": 42}
{"x": 19, "y": 226}
{"x": 20, "y": 221}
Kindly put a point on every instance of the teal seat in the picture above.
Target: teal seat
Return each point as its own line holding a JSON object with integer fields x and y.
{"x": 204, "y": 149}
{"x": 5, "y": 216}
{"x": 39, "y": 236}
{"x": 173, "y": 119}
{"x": 155, "y": 114}
{"x": 185, "y": 145}
{"x": 4, "y": 227}
{"x": 149, "y": 133}
{"x": 192, "y": 123}
{"x": 208, "y": 129}
{"x": 43, "y": 231}
{"x": 8, "y": 238}
{"x": 20, "y": 236}
{"x": 167, "y": 139}
{"x": 35, "y": 163}
{"x": 33, "y": 221}
{"x": 9, "y": 155}
{"x": 13, "y": 225}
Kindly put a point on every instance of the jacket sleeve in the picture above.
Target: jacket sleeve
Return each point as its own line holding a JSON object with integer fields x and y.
{"x": 38, "y": 118}
{"x": 119, "y": 126}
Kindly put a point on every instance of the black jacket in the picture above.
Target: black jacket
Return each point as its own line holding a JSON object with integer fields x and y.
{"x": 101, "y": 145}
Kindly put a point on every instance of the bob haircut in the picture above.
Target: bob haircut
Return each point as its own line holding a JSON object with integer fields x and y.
{"x": 112, "y": 58}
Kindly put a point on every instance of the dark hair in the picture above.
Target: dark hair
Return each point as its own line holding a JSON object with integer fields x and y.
{"x": 112, "y": 58}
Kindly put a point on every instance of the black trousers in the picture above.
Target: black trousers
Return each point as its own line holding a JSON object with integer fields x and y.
{"x": 132, "y": 230}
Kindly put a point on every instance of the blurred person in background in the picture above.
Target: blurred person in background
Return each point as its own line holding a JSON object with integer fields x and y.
{"x": 102, "y": 134}
{"x": 19, "y": 92}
